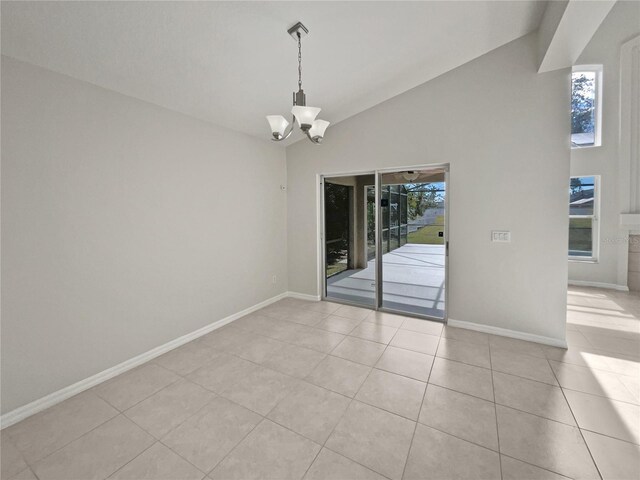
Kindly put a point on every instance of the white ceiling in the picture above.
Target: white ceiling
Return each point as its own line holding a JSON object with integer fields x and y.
{"x": 232, "y": 63}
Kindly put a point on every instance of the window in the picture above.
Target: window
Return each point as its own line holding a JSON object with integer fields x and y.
{"x": 583, "y": 218}
{"x": 585, "y": 106}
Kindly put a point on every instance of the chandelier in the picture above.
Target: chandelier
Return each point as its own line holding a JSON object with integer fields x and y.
{"x": 305, "y": 116}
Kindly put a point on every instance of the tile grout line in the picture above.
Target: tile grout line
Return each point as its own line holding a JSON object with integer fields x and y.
{"x": 312, "y": 461}
{"x": 631, "y": 392}
{"x": 589, "y": 369}
{"x": 314, "y": 327}
{"x": 495, "y": 411}
{"x": 148, "y": 396}
{"x": 208, "y": 403}
{"x": 185, "y": 420}
{"x": 323, "y": 445}
{"x": 175, "y": 428}
{"x": 609, "y": 436}
{"x": 559, "y": 422}
{"x": 601, "y": 396}
{"x": 577, "y": 424}
{"x": 424, "y": 394}
{"x": 235, "y": 446}
{"x": 533, "y": 414}
{"x": 70, "y": 442}
{"x": 455, "y": 436}
{"x": 550, "y": 361}
{"x": 536, "y": 466}
{"x": 143, "y": 451}
{"x": 92, "y": 392}
{"x": 548, "y": 419}
{"x": 397, "y": 414}
{"x": 265, "y": 417}
{"x": 360, "y": 322}
{"x": 357, "y": 463}
{"x": 351, "y": 400}
{"x": 13, "y": 444}
{"x": 31, "y": 470}
{"x": 318, "y": 351}
{"x": 87, "y": 433}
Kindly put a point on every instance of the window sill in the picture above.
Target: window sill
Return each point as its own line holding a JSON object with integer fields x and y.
{"x": 584, "y": 147}
{"x": 583, "y": 260}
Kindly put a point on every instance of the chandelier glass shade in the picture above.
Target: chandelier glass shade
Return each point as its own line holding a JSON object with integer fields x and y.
{"x": 278, "y": 125}
{"x": 306, "y": 117}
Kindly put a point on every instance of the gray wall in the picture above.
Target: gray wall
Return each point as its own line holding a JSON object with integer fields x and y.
{"x": 504, "y": 129}
{"x": 124, "y": 226}
{"x": 621, "y": 25}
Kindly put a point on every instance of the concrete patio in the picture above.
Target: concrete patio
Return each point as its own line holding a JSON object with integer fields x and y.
{"x": 413, "y": 281}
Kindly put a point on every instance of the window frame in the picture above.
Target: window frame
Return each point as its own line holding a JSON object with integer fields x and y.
{"x": 597, "y": 70}
{"x": 595, "y": 222}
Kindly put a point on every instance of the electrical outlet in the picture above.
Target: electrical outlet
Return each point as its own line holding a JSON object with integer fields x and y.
{"x": 501, "y": 236}
{"x": 274, "y": 279}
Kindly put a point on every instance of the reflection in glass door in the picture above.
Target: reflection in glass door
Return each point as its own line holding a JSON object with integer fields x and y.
{"x": 371, "y": 222}
{"x": 349, "y": 240}
{"x": 337, "y": 228}
{"x": 393, "y": 210}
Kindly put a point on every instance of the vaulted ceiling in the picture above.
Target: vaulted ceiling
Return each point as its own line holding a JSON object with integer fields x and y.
{"x": 232, "y": 63}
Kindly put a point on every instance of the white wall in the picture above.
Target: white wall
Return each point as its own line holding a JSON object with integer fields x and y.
{"x": 504, "y": 129}
{"x": 124, "y": 226}
{"x": 622, "y": 24}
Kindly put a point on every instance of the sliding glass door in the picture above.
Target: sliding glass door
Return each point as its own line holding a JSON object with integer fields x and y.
{"x": 385, "y": 240}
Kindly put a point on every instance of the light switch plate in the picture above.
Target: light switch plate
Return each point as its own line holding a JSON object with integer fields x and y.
{"x": 501, "y": 236}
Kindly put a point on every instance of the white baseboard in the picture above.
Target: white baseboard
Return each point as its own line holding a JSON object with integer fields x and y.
{"x": 50, "y": 400}
{"x": 610, "y": 286}
{"x": 304, "y": 296}
{"x": 505, "y": 332}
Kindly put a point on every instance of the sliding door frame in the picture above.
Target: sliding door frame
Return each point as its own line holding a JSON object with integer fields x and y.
{"x": 322, "y": 290}
{"x": 379, "y": 264}
{"x": 322, "y": 248}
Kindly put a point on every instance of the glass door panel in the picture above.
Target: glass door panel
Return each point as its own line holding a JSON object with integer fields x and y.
{"x": 349, "y": 240}
{"x": 337, "y": 227}
{"x": 413, "y": 242}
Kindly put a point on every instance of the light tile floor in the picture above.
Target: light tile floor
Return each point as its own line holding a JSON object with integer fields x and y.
{"x": 317, "y": 390}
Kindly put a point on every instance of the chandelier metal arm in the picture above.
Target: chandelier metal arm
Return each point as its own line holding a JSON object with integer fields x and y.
{"x": 314, "y": 140}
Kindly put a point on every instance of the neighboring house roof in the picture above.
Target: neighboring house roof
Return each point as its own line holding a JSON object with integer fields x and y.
{"x": 583, "y": 138}
{"x": 582, "y": 201}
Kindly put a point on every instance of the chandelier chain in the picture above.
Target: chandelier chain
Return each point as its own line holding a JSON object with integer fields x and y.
{"x": 299, "y": 62}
